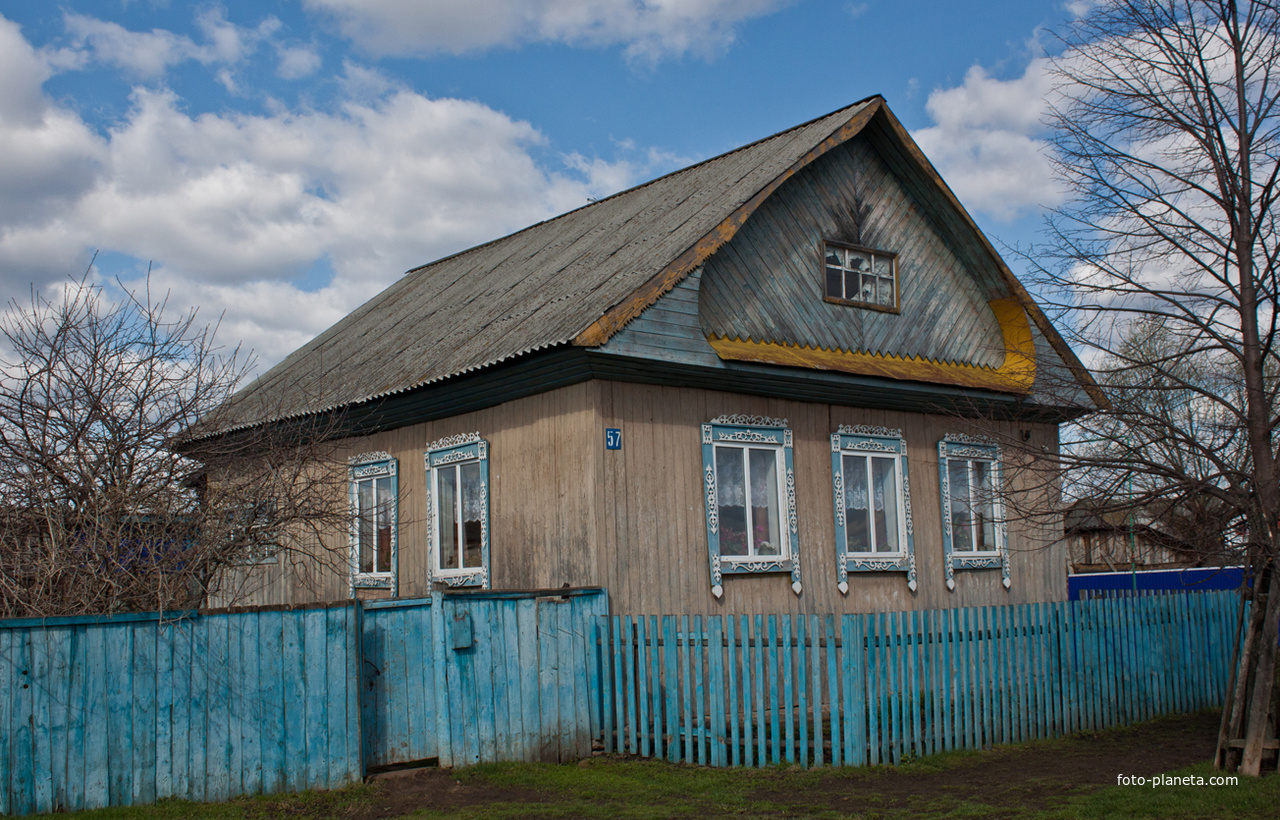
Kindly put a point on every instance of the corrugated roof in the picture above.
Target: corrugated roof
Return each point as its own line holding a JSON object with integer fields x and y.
{"x": 539, "y": 287}
{"x": 576, "y": 279}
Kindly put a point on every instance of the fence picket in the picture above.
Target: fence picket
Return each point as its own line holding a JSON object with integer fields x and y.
{"x": 833, "y": 690}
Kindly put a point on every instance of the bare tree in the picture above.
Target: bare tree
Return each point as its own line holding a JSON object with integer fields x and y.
{"x": 1163, "y": 265}
{"x": 100, "y": 512}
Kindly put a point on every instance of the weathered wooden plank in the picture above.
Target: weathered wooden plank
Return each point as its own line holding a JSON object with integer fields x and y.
{"x": 686, "y": 673}
{"x": 774, "y": 698}
{"x": 620, "y": 684}
{"x": 251, "y": 716}
{"x": 491, "y": 686}
{"x": 163, "y": 726}
{"x": 875, "y": 708}
{"x": 22, "y": 798}
{"x": 45, "y": 687}
{"x": 798, "y": 703}
{"x": 947, "y": 679}
{"x": 629, "y": 675}
{"x": 655, "y": 671}
{"x": 315, "y": 657}
{"x": 119, "y": 715}
{"x": 815, "y": 678}
{"x": 8, "y": 708}
{"x": 732, "y": 665}
{"x": 271, "y": 680}
{"x": 74, "y": 710}
{"x": 670, "y": 631}
{"x": 499, "y": 651}
{"x": 716, "y": 701}
{"x": 530, "y": 696}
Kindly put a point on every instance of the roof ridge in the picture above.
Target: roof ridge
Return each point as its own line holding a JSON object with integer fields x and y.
{"x": 642, "y": 185}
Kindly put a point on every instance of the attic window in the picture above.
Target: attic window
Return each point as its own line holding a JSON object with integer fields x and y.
{"x": 860, "y": 276}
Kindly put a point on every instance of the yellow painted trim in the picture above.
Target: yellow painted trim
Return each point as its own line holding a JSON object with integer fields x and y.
{"x": 1016, "y": 375}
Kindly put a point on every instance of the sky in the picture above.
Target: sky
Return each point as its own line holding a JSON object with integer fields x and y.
{"x": 275, "y": 165}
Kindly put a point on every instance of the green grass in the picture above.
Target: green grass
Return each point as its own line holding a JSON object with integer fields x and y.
{"x": 957, "y": 784}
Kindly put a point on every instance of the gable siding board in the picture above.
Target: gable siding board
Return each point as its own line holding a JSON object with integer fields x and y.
{"x": 766, "y": 284}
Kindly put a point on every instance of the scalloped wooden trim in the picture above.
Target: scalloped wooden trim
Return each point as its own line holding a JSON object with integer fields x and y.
{"x": 1016, "y": 375}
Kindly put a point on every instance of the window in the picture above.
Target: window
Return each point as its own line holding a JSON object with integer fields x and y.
{"x": 375, "y": 505}
{"x": 249, "y": 530}
{"x": 751, "y": 498}
{"x": 860, "y": 276}
{"x": 458, "y": 483}
{"x": 872, "y": 495}
{"x": 973, "y": 530}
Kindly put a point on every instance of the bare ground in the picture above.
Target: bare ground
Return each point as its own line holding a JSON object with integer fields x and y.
{"x": 1021, "y": 777}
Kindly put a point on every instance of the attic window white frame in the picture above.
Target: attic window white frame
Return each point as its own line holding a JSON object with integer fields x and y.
{"x": 371, "y": 467}
{"x": 744, "y": 433}
{"x": 840, "y": 259}
{"x": 867, "y": 443}
{"x": 957, "y": 449}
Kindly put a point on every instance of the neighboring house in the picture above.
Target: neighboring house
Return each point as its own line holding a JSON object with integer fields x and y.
{"x": 1102, "y": 538}
{"x": 758, "y": 384}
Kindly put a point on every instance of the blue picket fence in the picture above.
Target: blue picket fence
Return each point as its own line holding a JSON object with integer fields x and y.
{"x": 131, "y": 709}
{"x": 880, "y": 688}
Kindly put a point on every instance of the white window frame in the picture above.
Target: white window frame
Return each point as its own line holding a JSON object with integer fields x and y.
{"x": 866, "y": 441}
{"x": 747, "y": 432}
{"x": 960, "y": 447}
{"x": 450, "y": 454}
{"x": 371, "y": 467}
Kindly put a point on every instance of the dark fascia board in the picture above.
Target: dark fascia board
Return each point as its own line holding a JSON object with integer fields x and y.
{"x": 567, "y": 365}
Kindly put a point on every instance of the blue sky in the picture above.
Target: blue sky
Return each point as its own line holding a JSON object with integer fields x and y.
{"x": 277, "y": 164}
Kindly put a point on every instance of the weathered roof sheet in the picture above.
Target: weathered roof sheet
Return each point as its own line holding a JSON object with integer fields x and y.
{"x": 574, "y": 279}
{"x": 536, "y": 288}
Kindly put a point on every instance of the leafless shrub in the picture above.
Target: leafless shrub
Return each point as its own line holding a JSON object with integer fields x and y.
{"x": 110, "y": 500}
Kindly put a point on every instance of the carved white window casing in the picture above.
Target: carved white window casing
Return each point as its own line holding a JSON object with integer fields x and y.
{"x": 974, "y": 534}
{"x": 748, "y": 479}
{"x": 871, "y": 494}
{"x": 374, "y": 489}
{"x": 458, "y": 510}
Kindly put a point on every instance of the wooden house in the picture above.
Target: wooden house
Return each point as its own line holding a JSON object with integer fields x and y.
{"x": 773, "y": 381}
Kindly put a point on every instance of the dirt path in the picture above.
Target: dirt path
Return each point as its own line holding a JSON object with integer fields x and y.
{"x": 1017, "y": 777}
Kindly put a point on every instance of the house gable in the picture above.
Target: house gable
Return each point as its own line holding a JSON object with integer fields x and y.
{"x": 762, "y": 294}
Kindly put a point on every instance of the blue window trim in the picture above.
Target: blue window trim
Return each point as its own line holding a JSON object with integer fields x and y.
{"x": 445, "y": 453}
{"x": 878, "y": 441}
{"x": 957, "y": 445}
{"x": 740, "y": 429}
{"x": 365, "y": 466}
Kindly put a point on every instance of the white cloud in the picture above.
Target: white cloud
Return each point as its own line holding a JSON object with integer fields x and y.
{"x": 148, "y": 54}
{"x": 297, "y": 61}
{"x": 650, "y": 29}
{"x": 988, "y": 141}
{"x": 236, "y": 209}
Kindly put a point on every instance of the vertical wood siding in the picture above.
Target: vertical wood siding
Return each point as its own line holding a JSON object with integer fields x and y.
{"x": 564, "y": 510}
{"x": 752, "y": 690}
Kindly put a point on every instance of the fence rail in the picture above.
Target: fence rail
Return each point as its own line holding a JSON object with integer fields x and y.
{"x": 878, "y": 688}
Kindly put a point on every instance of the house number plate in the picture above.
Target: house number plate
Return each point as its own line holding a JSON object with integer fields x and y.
{"x": 612, "y": 438}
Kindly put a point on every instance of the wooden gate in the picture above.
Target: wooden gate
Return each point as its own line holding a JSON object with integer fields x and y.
{"x": 470, "y": 677}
